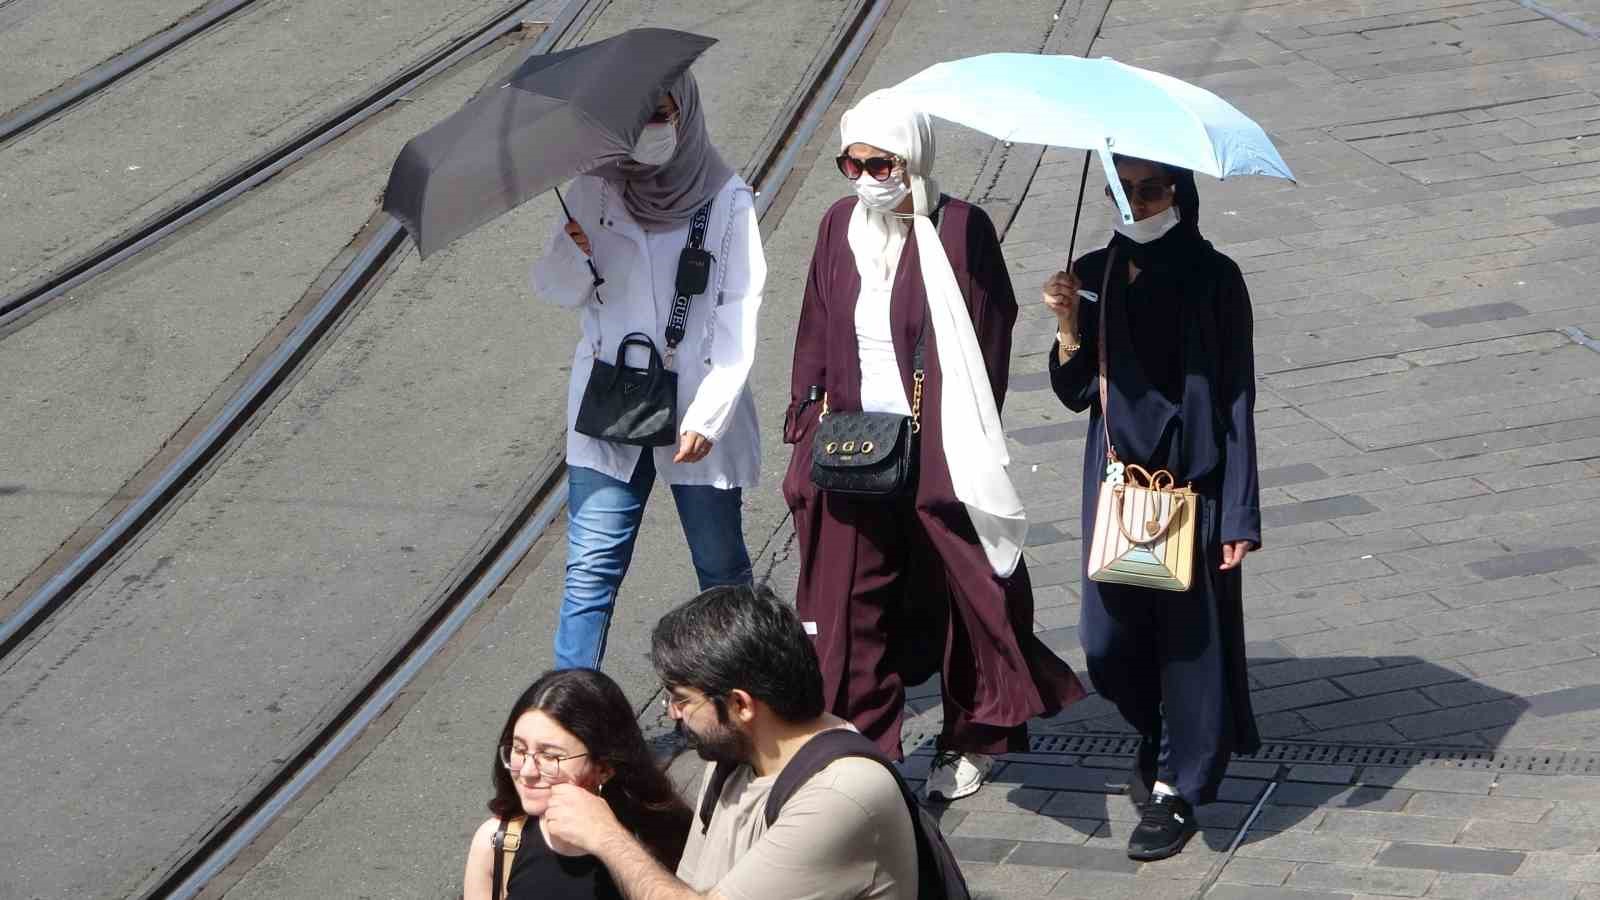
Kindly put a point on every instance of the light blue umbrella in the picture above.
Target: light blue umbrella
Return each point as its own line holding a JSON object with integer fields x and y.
{"x": 1099, "y": 105}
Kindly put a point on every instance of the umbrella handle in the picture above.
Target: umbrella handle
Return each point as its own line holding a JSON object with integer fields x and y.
{"x": 592, "y": 270}
{"x": 1077, "y": 214}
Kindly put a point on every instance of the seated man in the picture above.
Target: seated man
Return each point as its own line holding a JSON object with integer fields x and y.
{"x": 744, "y": 683}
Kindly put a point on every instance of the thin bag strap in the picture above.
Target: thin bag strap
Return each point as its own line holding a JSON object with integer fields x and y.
{"x": 918, "y": 373}
{"x": 1105, "y": 395}
{"x": 678, "y": 320}
{"x": 507, "y": 840}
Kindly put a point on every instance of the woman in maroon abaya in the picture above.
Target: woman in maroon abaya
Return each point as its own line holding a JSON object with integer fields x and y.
{"x": 932, "y": 580}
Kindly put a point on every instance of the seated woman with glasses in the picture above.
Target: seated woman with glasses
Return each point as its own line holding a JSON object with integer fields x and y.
{"x": 572, "y": 725}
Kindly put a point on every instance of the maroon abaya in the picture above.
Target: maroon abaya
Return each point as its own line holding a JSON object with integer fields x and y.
{"x": 900, "y": 589}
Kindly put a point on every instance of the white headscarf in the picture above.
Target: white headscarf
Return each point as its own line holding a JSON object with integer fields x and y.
{"x": 973, "y": 442}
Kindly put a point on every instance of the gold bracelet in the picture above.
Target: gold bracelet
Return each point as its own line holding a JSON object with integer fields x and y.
{"x": 1064, "y": 350}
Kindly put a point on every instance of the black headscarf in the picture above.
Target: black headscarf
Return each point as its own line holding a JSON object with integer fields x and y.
{"x": 1182, "y": 246}
{"x": 1174, "y": 425}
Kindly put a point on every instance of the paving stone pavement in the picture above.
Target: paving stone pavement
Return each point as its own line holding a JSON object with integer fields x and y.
{"x": 1429, "y": 428}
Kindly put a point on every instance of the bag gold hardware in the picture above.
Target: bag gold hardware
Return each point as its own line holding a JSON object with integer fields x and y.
{"x": 866, "y": 446}
{"x": 849, "y": 447}
{"x": 831, "y": 448}
{"x": 916, "y": 402}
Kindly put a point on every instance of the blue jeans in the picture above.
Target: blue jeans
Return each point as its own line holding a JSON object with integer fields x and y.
{"x": 603, "y": 516}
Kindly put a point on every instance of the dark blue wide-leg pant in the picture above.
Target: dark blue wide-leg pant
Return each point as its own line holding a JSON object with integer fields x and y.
{"x": 1174, "y": 665}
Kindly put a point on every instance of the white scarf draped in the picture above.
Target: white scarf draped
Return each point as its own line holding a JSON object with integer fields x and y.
{"x": 973, "y": 442}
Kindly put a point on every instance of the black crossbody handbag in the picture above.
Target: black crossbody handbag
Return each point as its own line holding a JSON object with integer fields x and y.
{"x": 870, "y": 454}
{"x": 630, "y": 405}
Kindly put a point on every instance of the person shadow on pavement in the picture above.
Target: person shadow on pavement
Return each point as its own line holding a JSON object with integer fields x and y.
{"x": 1340, "y": 734}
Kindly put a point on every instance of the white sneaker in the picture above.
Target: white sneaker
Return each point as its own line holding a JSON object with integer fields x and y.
{"x": 956, "y": 775}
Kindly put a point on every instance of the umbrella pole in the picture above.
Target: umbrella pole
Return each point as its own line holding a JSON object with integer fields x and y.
{"x": 1082, "y": 181}
{"x": 596, "y": 272}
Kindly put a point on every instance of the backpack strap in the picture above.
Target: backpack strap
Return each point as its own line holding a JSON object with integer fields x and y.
{"x": 717, "y": 780}
{"x": 841, "y": 743}
{"x": 506, "y": 841}
{"x": 817, "y": 754}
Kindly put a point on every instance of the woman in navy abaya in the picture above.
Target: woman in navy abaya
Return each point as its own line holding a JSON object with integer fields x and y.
{"x": 1182, "y": 393}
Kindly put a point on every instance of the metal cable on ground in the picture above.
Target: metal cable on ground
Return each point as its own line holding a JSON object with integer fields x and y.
{"x": 116, "y": 68}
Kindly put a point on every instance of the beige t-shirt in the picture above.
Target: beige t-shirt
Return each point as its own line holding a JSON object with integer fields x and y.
{"x": 845, "y": 834}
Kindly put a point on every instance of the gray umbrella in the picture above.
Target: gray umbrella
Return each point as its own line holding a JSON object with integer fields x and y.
{"x": 558, "y": 115}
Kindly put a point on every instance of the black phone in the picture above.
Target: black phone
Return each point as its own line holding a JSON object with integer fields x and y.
{"x": 694, "y": 271}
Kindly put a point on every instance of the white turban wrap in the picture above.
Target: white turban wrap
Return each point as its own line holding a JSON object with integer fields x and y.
{"x": 973, "y": 442}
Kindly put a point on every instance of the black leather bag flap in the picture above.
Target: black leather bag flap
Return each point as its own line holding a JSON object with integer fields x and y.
{"x": 858, "y": 439}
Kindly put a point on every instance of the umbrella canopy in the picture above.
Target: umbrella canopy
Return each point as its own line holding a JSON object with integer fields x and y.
{"x": 1096, "y": 104}
{"x": 557, "y": 116}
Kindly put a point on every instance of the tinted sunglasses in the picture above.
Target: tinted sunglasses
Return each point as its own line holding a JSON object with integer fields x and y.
{"x": 1147, "y": 191}
{"x": 878, "y": 167}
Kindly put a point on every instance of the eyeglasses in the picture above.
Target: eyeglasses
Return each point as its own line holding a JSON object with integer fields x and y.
{"x": 547, "y": 763}
{"x": 1151, "y": 190}
{"x": 879, "y": 167}
{"x": 680, "y": 707}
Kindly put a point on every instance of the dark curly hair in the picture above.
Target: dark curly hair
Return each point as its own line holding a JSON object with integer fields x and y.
{"x": 593, "y": 708}
{"x": 740, "y": 637}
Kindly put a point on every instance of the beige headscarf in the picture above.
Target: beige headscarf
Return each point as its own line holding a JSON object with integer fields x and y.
{"x": 974, "y": 444}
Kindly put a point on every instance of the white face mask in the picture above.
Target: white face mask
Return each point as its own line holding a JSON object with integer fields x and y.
{"x": 882, "y": 196}
{"x": 656, "y": 144}
{"x": 1148, "y": 229}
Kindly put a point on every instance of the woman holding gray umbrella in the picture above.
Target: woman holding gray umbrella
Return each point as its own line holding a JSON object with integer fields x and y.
{"x": 634, "y": 228}
{"x": 1163, "y": 361}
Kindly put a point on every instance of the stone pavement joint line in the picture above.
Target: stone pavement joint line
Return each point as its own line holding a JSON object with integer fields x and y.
{"x": 1426, "y": 604}
{"x": 1424, "y": 619}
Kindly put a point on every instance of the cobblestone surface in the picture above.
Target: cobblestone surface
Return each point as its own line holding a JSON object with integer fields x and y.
{"x": 1429, "y": 426}
{"x": 1429, "y": 429}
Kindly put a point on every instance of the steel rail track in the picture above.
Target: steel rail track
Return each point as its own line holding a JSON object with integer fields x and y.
{"x": 96, "y": 79}
{"x": 544, "y": 496}
{"x": 37, "y": 297}
{"x": 281, "y": 364}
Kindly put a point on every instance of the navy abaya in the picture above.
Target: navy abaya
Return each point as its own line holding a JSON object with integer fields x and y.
{"x": 1182, "y": 393}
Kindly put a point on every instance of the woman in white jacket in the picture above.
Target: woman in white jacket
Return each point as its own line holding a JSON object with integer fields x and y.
{"x": 632, "y": 220}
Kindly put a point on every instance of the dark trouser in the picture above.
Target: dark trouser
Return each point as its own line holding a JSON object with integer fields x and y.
{"x": 896, "y": 595}
{"x": 1166, "y": 660}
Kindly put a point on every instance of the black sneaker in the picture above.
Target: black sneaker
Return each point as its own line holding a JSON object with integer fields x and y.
{"x": 1166, "y": 825}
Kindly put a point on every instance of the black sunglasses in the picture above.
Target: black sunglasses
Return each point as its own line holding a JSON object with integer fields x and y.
{"x": 1147, "y": 191}
{"x": 878, "y": 167}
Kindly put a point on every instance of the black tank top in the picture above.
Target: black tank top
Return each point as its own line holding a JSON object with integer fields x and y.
{"x": 539, "y": 873}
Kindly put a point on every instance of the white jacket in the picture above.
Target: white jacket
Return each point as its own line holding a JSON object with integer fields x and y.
{"x": 713, "y": 361}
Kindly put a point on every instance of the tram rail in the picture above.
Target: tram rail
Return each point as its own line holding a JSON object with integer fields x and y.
{"x": 17, "y": 309}
{"x": 92, "y": 81}
{"x": 533, "y": 510}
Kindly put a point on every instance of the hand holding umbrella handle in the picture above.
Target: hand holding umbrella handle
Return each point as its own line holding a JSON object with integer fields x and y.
{"x": 598, "y": 280}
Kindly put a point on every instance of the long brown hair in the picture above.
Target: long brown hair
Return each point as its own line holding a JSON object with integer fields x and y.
{"x": 593, "y": 708}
